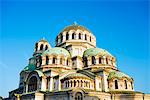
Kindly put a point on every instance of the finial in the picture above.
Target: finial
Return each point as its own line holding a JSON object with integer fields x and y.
{"x": 43, "y": 38}
{"x": 75, "y": 23}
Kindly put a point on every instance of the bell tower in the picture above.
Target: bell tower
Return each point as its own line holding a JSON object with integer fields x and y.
{"x": 41, "y": 46}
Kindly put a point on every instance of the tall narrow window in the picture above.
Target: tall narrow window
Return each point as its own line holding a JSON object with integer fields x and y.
{"x": 46, "y": 47}
{"x": 79, "y": 35}
{"x": 67, "y": 62}
{"x": 90, "y": 39}
{"x": 67, "y": 36}
{"x": 66, "y": 84}
{"x": 100, "y": 60}
{"x": 36, "y": 46}
{"x": 132, "y": 85}
{"x": 85, "y": 62}
{"x": 61, "y": 37}
{"x": 93, "y": 60}
{"x": 125, "y": 83}
{"x": 54, "y": 60}
{"x": 74, "y": 83}
{"x": 41, "y": 47}
{"x": 116, "y": 84}
{"x": 47, "y": 60}
{"x": 60, "y": 60}
{"x": 39, "y": 61}
{"x": 73, "y": 36}
{"x": 106, "y": 60}
{"x": 85, "y": 37}
{"x": 71, "y": 84}
{"x": 81, "y": 83}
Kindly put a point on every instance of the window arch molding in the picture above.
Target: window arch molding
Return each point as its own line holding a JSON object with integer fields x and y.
{"x": 35, "y": 84}
{"x": 41, "y": 47}
{"x": 116, "y": 84}
{"x": 78, "y": 94}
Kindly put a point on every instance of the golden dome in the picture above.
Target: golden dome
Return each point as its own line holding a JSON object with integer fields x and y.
{"x": 75, "y": 27}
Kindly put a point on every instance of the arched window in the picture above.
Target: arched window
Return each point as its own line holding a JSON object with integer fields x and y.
{"x": 78, "y": 82}
{"x": 78, "y": 96}
{"x": 74, "y": 83}
{"x": 36, "y": 46}
{"x": 67, "y": 62}
{"x": 71, "y": 84}
{"x": 132, "y": 85}
{"x": 47, "y": 60}
{"x": 125, "y": 83}
{"x": 39, "y": 61}
{"x": 84, "y": 84}
{"x": 93, "y": 60}
{"x": 67, "y": 36}
{"x": 41, "y": 47}
{"x": 73, "y": 36}
{"x": 106, "y": 60}
{"x": 61, "y": 37}
{"x": 46, "y": 47}
{"x": 66, "y": 84}
{"x": 116, "y": 84}
{"x": 54, "y": 60}
{"x": 32, "y": 85}
{"x": 90, "y": 39}
{"x": 81, "y": 83}
{"x": 79, "y": 35}
{"x": 85, "y": 62}
{"x": 100, "y": 60}
{"x": 85, "y": 37}
{"x": 60, "y": 60}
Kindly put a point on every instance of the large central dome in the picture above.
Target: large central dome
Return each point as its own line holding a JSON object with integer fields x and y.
{"x": 76, "y": 34}
{"x": 75, "y": 27}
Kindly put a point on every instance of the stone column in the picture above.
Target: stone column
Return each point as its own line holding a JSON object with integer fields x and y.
{"x": 59, "y": 85}
{"x": 70, "y": 36}
{"x": 43, "y": 60}
{"x": 64, "y": 37}
{"x": 51, "y": 83}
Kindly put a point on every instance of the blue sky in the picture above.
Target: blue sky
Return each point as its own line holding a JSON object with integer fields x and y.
{"x": 121, "y": 27}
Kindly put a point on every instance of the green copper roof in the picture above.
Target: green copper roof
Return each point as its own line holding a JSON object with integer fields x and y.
{"x": 57, "y": 51}
{"x": 117, "y": 74}
{"x": 96, "y": 51}
{"x": 29, "y": 68}
{"x": 76, "y": 75}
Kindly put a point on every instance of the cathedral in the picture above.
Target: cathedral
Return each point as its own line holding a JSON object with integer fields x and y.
{"x": 75, "y": 69}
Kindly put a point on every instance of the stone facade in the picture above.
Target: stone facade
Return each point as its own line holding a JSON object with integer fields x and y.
{"x": 74, "y": 70}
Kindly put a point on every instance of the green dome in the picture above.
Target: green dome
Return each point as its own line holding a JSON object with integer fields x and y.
{"x": 117, "y": 74}
{"x": 29, "y": 68}
{"x": 57, "y": 51}
{"x": 95, "y": 51}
